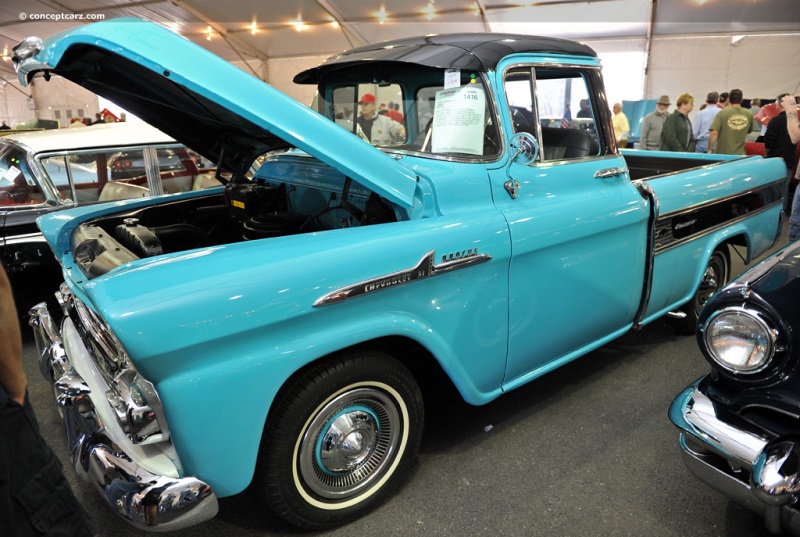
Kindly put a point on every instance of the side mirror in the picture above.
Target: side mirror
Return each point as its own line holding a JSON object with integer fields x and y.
{"x": 524, "y": 150}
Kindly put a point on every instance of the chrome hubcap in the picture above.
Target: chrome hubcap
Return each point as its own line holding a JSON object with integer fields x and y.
{"x": 349, "y": 440}
{"x": 349, "y": 443}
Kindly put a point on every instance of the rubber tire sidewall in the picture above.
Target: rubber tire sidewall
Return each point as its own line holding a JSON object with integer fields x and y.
{"x": 294, "y": 408}
{"x": 688, "y": 324}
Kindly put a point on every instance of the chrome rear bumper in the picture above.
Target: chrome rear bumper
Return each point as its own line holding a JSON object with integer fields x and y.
{"x": 146, "y": 500}
{"x": 757, "y": 472}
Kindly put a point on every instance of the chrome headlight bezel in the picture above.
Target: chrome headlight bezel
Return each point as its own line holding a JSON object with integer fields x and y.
{"x": 759, "y": 328}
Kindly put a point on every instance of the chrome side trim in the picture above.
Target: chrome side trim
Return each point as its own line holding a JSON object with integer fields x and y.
{"x": 646, "y": 191}
{"x": 25, "y": 238}
{"x": 422, "y": 270}
{"x": 665, "y": 239}
{"x": 708, "y": 231}
{"x": 148, "y": 501}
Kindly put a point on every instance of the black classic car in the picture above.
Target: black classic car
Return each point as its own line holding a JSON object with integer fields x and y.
{"x": 740, "y": 424}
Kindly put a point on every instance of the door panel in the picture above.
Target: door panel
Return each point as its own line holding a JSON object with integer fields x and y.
{"x": 578, "y": 241}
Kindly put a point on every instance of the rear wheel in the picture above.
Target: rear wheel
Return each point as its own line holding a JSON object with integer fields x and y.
{"x": 714, "y": 278}
{"x": 340, "y": 439}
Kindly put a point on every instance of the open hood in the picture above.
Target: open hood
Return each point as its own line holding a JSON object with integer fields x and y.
{"x": 203, "y": 101}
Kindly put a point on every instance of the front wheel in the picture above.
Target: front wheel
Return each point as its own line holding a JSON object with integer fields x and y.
{"x": 340, "y": 439}
{"x": 714, "y": 278}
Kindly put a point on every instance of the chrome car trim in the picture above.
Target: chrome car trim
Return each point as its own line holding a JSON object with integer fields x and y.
{"x": 610, "y": 172}
{"x": 646, "y": 191}
{"x": 25, "y": 238}
{"x": 665, "y": 227}
{"x": 694, "y": 413}
{"x": 146, "y": 500}
{"x": 27, "y": 48}
{"x": 134, "y": 399}
{"x": 424, "y": 269}
{"x": 716, "y": 452}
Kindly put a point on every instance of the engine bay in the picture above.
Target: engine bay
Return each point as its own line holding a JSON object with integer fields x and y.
{"x": 316, "y": 198}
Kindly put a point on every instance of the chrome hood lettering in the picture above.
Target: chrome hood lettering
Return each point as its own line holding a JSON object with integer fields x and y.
{"x": 426, "y": 268}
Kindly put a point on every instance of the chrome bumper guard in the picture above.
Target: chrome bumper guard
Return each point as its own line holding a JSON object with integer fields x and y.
{"x": 759, "y": 473}
{"x": 148, "y": 501}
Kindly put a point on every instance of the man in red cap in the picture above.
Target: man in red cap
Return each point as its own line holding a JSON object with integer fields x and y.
{"x": 380, "y": 129}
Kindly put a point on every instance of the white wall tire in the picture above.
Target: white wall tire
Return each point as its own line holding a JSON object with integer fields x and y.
{"x": 340, "y": 439}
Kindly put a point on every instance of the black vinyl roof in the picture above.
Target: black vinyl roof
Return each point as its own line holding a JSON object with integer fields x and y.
{"x": 475, "y": 51}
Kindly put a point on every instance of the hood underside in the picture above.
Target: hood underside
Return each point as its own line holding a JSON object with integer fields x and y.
{"x": 206, "y": 103}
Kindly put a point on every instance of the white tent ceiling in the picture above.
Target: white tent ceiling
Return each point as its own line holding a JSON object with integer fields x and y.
{"x": 266, "y": 30}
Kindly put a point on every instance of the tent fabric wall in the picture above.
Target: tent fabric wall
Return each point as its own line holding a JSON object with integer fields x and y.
{"x": 14, "y": 103}
{"x": 761, "y": 66}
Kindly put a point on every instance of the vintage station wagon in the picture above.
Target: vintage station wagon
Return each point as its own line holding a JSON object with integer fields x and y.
{"x": 46, "y": 171}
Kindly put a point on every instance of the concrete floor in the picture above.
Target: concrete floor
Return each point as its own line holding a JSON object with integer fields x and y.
{"x": 585, "y": 450}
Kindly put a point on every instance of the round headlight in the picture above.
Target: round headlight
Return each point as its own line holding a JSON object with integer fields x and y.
{"x": 739, "y": 340}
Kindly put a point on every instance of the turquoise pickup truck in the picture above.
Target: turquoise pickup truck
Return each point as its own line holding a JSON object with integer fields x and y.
{"x": 278, "y": 329}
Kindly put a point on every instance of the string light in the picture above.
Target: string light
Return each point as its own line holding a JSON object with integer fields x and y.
{"x": 381, "y": 15}
{"x": 253, "y": 27}
{"x": 209, "y": 33}
{"x": 429, "y": 11}
{"x": 476, "y": 8}
{"x": 298, "y": 24}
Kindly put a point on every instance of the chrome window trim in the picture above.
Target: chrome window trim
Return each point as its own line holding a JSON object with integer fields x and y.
{"x": 107, "y": 149}
{"x": 533, "y": 66}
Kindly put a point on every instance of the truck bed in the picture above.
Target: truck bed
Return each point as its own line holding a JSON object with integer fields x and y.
{"x": 647, "y": 164}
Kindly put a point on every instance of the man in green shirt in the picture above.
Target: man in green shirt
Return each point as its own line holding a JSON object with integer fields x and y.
{"x": 729, "y": 129}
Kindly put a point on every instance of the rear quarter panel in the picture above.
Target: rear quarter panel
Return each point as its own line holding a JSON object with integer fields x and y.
{"x": 702, "y": 208}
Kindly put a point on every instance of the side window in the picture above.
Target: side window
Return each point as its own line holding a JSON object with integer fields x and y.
{"x": 108, "y": 175}
{"x": 182, "y": 170}
{"x": 18, "y": 187}
{"x": 519, "y": 94}
{"x": 562, "y": 109}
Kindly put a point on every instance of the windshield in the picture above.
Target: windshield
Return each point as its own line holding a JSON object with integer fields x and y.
{"x": 413, "y": 108}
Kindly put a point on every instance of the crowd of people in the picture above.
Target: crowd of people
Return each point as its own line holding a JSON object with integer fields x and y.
{"x": 722, "y": 126}
{"x": 77, "y": 122}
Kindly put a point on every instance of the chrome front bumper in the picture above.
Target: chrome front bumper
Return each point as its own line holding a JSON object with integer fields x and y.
{"x": 757, "y": 472}
{"x": 148, "y": 501}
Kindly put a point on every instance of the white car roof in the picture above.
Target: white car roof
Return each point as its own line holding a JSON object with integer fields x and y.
{"x": 91, "y": 136}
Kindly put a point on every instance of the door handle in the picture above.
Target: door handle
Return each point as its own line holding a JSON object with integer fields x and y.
{"x": 610, "y": 172}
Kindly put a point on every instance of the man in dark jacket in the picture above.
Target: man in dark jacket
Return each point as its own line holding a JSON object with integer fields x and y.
{"x": 779, "y": 144}
{"x": 35, "y": 498}
{"x": 676, "y": 135}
